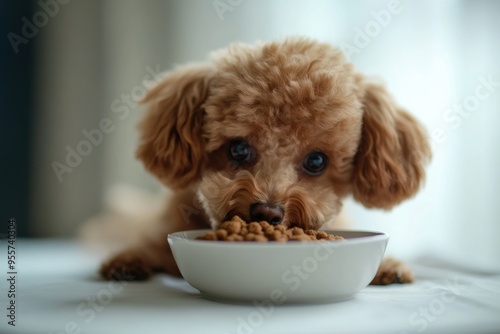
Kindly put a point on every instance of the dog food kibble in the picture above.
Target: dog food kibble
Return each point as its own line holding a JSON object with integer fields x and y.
{"x": 237, "y": 230}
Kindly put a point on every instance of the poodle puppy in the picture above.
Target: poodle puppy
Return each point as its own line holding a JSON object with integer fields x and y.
{"x": 277, "y": 131}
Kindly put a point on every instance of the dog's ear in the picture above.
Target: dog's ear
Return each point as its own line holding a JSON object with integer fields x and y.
{"x": 171, "y": 140}
{"x": 389, "y": 164}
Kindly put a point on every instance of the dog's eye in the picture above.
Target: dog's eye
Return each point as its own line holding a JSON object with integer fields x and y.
{"x": 240, "y": 151}
{"x": 315, "y": 163}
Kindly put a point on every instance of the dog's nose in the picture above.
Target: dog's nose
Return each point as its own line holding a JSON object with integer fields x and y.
{"x": 273, "y": 214}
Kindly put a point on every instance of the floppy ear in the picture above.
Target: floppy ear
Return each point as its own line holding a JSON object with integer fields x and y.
{"x": 389, "y": 164}
{"x": 171, "y": 141}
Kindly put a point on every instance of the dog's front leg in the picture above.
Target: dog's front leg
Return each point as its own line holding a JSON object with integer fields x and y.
{"x": 392, "y": 271}
{"x": 153, "y": 254}
{"x": 141, "y": 262}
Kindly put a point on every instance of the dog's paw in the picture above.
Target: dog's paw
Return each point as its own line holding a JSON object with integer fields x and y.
{"x": 125, "y": 267}
{"x": 392, "y": 271}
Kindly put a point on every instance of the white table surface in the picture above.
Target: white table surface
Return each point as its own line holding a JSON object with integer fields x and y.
{"x": 58, "y": 292}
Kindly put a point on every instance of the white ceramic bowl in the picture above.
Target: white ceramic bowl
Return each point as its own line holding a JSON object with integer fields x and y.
{"x": 292, "y": 272}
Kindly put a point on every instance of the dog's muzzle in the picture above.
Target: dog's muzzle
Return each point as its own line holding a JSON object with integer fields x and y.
{"x": 272, "y": 213}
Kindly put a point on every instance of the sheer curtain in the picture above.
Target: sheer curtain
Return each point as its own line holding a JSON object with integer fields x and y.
{"x": 433, "y": 56}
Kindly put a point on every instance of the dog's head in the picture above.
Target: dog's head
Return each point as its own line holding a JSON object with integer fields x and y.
{"x": 281, "y": 132}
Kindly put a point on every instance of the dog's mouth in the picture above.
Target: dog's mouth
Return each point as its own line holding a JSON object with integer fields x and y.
{"x": 232, "y": 213}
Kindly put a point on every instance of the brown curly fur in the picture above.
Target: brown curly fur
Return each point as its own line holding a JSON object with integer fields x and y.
{"x": 285, "y": 99}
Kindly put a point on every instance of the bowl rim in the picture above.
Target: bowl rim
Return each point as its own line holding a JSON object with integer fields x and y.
{"x": 374, "y": 236}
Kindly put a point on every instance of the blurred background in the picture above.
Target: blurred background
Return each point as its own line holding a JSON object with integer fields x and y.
{"x": 70, "y": 67}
